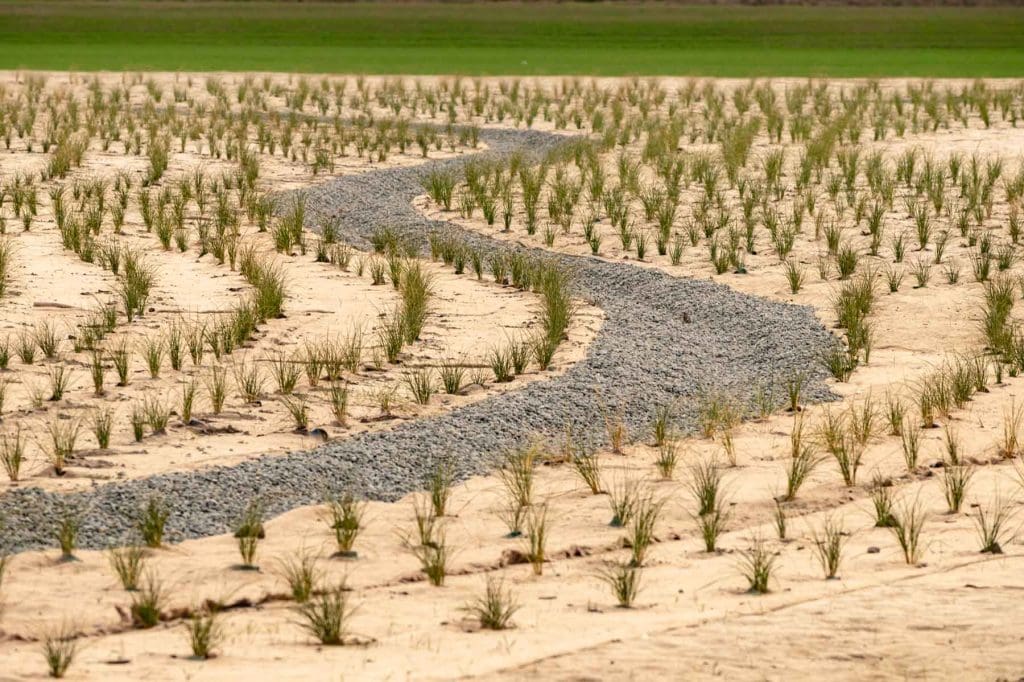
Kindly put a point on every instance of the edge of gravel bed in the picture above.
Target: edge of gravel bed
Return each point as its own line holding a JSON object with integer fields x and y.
{"x": 665, "y": 339}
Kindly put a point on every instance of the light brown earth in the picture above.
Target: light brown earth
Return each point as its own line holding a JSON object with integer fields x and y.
{"x": 951, "y": 614}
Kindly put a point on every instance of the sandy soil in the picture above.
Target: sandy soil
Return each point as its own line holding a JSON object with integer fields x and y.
{"x": 325, "y": 303}
{"x": 947, "y": 614}
{"x": 691, "y": 602}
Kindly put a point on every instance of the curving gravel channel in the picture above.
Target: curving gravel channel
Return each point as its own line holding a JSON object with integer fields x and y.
{"x": 664, "y": 338}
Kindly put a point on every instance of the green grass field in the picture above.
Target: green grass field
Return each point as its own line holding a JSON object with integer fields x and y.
{"x": 513, "y": 38}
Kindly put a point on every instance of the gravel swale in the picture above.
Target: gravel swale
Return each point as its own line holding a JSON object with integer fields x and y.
{"x": 664, "y": 339}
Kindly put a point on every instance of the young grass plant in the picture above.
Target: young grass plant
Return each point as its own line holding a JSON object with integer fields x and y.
{"x": 910, "y": 439}
{"x": 705, "y": 484}
{"x": 882, "y": 502}
{"x": 59, "y": 648}
{"x": 102, "y": 425}
{"x": 285, "y": 371}
{"x": 757, "y": 564}
{"x": 838, "y": 434}
{"x": 153, "y": 352}
{"x": 434, "y": 554}
{"x": 339, "y": 402}
{"x": 204, "y": 631}
{"x": 127, "y": 563}
{"x": 157, "y": 414}
{"x": 346, "y": 521}
{"x": 668, "y": 457}
{"x": 439, "y": 484}
{"x": 991, "y": 524}
{"x": 1009, "y": 443}
{"x": 326, "y": 616}
{"x": 151, "y": 521}
{"x": 537, "y": 529}
{"x": 421, "y": 385}
{"x": 63, "y": 436}
{"x": 298, "y": 408}
{"x": 828, "y": 546}
{"x": 495, "y": 607}
{"x": 121, "y": 358}
{"x": 712, "y": 524}
{"x": 907, "y": 526}
{"x": 216, "y": 386}
{"x": 188, "y": 399}
{"x": 12, "y": 453}
{"x": 60, "y": 381}
{"x": 148, "y": 602}
{"x": 781, "y": 520}
{"x": 623, "y": 498}
{"x": 955, "y": 480}
{"x": 641, "y": 529}
{"x": 138, "y": 422}
{"x": 802, "y": 461}
{"x": 517, "y": 480}
{"x": 249, "y": 381}
{"x": 249, "y": 531}
{"x": 301, "y": 573}
{"x": 587, "y": 466}
{"x": 452, "y": 376}
{"x": 624, "y": 581}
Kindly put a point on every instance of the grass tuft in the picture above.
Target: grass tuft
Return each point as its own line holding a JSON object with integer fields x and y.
{"x": 326, "y": 616}
{"x": 59, "y": 648}
{"x": 828, "y": 546}
{"x": 624, "y": 581}
{"x": 127, "y": 563}
{"x": 495, "y": 607}
{"x": 757, "y": 564}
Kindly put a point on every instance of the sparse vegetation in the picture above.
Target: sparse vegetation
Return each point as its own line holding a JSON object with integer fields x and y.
{"x": 204, "y": 631}
{"x": 346, "y": 520}
{"x": 757, "y": 564}
{"x": 495, "y": 607}
{"x": 302, "y": 575}
{"x": 624, "y": 581}
{"x": 908, "y": 522}
{"x": 326, "y": 616}
{"x": 770, "y": 189}
{"x": 128, "y": 563}
{"x": 59, "y": 648}
{"x": 828, "y": 546}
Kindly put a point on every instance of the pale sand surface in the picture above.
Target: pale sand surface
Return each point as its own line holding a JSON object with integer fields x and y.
{"x": 50, "y": 284}
{"x": 952, "y": 615}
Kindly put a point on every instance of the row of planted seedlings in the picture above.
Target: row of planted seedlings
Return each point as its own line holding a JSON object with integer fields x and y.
{"x": 80, "y": 214}
{"x": 81, "y": 224}
{"x": 66, "y": 123}
{"x": 843, "y": 436}
{"x": 942, "y": 198}
{"x": 221, "y": 336}
{"x": 736, "y": 210}
{"x": 218, "y": 121}
{"x": 325, "y": 609}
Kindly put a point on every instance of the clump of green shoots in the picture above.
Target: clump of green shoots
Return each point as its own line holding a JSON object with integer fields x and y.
{"x": 624, "y": 580}
{"x": 204, "y": 631}
{"x": 346, "y": 521}
{"x": 59, "y": 648}
{"x": 828, "y": 546}
{"x": 757, "y": 564}
{"x": 326, "y": 615}
{"x": 152, "y": 521}
{"x": 301, "y": 574}
{"x": 495, "y": 607}
{"x": 249, "y": 531}
{"x": 127, "y": 563}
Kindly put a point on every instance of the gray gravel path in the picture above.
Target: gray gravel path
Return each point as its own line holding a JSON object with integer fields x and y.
{"x": 645, "y": 354}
